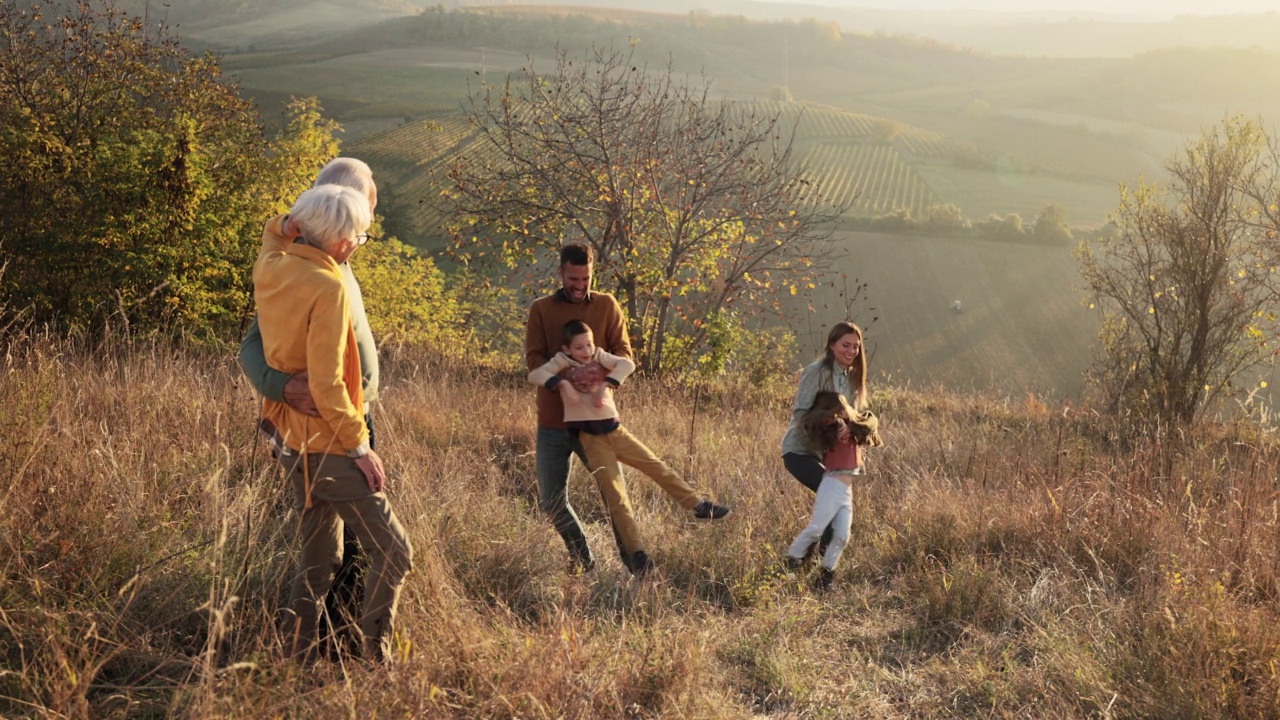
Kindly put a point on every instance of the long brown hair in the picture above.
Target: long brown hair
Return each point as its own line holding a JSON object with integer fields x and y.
{"x": 857, "y": 374}
{"x": 819, "y": 421}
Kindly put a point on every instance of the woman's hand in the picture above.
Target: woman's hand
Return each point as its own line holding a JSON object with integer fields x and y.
{"x": 374, "y": 474}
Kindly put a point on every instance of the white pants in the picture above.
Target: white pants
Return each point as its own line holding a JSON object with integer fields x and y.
{"x": 833, "y": 506}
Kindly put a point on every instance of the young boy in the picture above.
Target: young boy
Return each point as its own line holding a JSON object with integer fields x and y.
{"x": 585, "y": 376}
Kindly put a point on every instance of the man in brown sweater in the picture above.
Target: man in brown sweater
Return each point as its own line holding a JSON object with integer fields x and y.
{"x": 543, "y": 338}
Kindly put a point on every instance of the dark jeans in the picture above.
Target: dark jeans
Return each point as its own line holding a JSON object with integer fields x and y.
{"x": 554, "y": 448}
{"x": 809, "y": 471}
{"x": 344, "y": 602}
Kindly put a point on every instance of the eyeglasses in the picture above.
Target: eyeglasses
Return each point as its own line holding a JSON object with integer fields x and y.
{"x": 363, "y": 238}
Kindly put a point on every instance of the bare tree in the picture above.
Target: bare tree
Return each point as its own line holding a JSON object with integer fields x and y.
{"x": 1186, "y": 284}
{"x": 692, "y": 206}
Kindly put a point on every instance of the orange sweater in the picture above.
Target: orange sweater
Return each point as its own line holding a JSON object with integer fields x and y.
{"x": 302, "y": 310}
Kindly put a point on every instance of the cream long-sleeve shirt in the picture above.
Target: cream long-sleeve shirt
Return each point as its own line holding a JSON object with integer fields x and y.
{"x": 583, "y": 376}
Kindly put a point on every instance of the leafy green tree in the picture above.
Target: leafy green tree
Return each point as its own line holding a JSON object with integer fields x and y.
{"x": 692, "y": 206}
{"x": 1187, "y": 284}
{"x": 133, "y": 179}
{"x": 406, "y": 296}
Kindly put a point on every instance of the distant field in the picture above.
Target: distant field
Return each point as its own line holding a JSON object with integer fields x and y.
{"x": 871, "y": 164}
{"x": 293, "y": 25}
{"x": 1021, "y": 328}
{"x": 979, "y": 193}
{"x": 868, "y": 178}
{"x": 371, "y": 90}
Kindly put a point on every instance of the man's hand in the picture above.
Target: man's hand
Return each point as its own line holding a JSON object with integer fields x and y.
{"x": 297, "y": 393}
{"x": 374, "y": 474}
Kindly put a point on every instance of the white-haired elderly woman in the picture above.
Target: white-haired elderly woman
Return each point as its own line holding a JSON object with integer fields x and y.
{"x": 337, "y": 479}
{"x": 344, "y": 600}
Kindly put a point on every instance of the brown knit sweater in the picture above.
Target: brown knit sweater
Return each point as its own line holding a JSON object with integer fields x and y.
{"x": 544, "y": 336}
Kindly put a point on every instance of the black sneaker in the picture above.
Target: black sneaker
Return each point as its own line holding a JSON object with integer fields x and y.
{"x": 822, "y": 582}
{"x": 707, "y": 510}
{"x": 639, "y": 564}
{"x": 793, "y": 564}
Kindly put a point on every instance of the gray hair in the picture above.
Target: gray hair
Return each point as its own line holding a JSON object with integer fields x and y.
{"x": 329, "y": 214}
{"x": 349, "y": 172}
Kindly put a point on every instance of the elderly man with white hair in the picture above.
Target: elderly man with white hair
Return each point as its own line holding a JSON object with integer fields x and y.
{"x": 343, "y": 601}
{"x": 305, "y": 318}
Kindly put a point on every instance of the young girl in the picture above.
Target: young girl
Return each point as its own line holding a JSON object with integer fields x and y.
{"x": 585, "y": 376}
{"x": 836, "y": 430}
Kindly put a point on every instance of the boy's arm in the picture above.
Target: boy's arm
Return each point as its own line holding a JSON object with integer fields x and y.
{"x": 548, "y": 377}
{"x": 619, "y": 367}
{"x": 548, "y": 374}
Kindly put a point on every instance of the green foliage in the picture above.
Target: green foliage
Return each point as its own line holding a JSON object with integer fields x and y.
{"x": 1187, "y": 286}
{"x": 133, "y": 180}
{"x": 406, "y": 296}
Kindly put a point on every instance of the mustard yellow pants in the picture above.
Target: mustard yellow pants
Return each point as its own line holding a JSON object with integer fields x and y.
{"x": 604, "y": 452}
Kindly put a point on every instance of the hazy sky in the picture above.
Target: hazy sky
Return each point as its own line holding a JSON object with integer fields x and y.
{"x": 1163, "y": 8}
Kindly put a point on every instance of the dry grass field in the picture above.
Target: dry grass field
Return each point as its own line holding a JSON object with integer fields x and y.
{"x": 1009, "y": 558}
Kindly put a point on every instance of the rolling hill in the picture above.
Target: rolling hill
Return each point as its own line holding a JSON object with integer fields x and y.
{"x": 884, "y": 122}
{"x": 872, "y": 165}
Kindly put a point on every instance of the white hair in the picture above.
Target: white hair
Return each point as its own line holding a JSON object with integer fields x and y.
{"x": 349, "y": 172}
{"x": 329, "y": 214}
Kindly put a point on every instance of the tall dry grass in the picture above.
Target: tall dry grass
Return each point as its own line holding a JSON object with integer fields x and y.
{"x": 1008, "y": 559}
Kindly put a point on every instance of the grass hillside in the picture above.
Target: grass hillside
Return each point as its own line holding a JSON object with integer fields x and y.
{"x": 1007, "y": 559}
